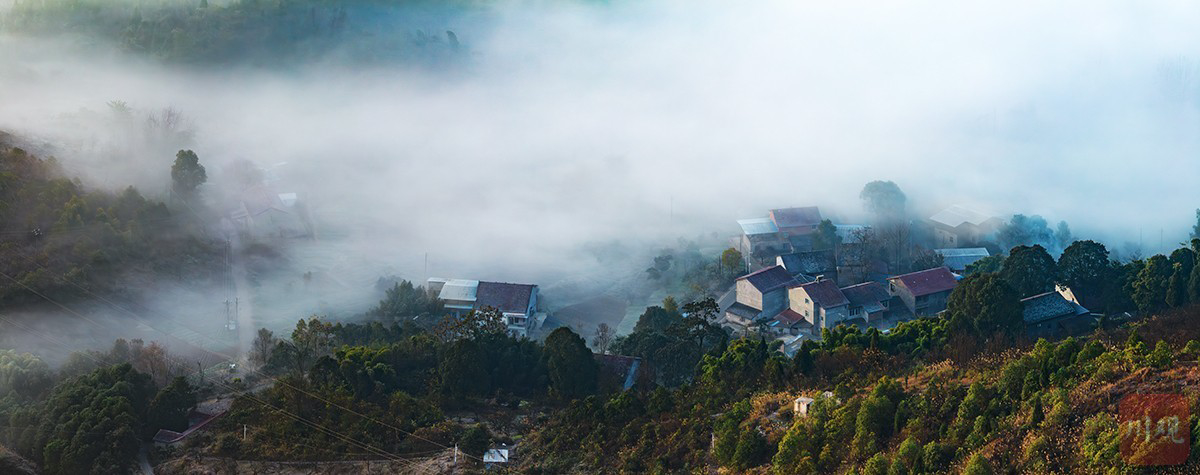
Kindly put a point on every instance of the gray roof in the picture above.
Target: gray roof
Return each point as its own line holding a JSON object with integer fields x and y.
{"x": 744, "y": 311}
{"x": 796, "y": 217}
{"x": 1049, "y": 305}
{"x": 869, "y": 295}
{"x": 811, "y": 262}
{"x": 505, "y": 297}
{"x": 757, "y": 226}
{"x": 769, "y": 279}
{"x": 959, "y": 259}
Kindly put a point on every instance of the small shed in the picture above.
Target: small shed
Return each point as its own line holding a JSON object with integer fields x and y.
{"x": 800, "y": 406}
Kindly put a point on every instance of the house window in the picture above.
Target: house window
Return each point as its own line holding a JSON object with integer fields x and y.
{"x": 806, "y": 301}
{"x": 806, "y": 313}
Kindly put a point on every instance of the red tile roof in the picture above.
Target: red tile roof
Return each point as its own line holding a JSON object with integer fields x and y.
{"x": 789, "y": 316}
{"x": 929, "y": 281}
{"x": 768, "y": 279}
{"x": 796, "y": 217}
{"x": 825, "y": 293}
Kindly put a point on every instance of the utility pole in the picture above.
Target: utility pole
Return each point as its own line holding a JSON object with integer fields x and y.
{"x": 454, "y": 465}
{"x": 244, "y": 429}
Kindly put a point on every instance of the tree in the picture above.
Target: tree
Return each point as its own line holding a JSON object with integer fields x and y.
{"x": 985, "y": 304}
{"x": 169, "y": 408}
{"x": 475, "y": 324}
{"x": 311, "y": 340}
{"x": 1030, "y": 270}
{"x": 1196, "y": 227}
{"x": 988, "y": 264}
{"x": 655, "y": 319}
{"x": 883, "y": 199}
{"x": 602, "y": 338}
{"x": 187, "y": 173}
{"x": 1150, "y": 286}
{"x": 978, "y": 465}
{"x": 826, "y": 236}
{"x": 1026, "y": 230}
{"x": 928, "y": 260}
{"x": 1177, "y": 292}
{"x": 570, "y": 364}
{"x": 1084, "y": 267}
{"x": 260, "y": 348}
{"x": 731, "y": 261}
{"x": 1063, "y": 236}
{"x": 1193, "y": 285}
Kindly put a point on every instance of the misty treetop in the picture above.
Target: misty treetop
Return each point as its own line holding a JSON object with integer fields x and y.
{"x": 56, "y": 234}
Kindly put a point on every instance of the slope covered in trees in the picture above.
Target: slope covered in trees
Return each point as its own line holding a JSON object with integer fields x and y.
{"x": 258, "y": 32}
{"x": 56, "y": 234}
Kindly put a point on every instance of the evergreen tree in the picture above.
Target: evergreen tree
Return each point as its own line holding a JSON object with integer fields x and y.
{"x": 1030, "y": 270}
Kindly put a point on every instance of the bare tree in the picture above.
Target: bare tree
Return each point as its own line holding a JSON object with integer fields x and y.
{"x": 603, "y": 338}
{"x": 260, "y": 348}
{"x": 896, "y": 238}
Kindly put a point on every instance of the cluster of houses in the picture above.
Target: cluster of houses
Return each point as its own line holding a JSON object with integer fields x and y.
{"x": 518, "y": 303}
{"x": 810, "y": 290}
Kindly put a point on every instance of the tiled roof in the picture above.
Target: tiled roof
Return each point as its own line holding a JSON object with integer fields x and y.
{"x": 1048, "y": 306}
{"x": 790, "y": 317}
{"x": 771, "y": 278}
{"x": 508, "y": 298}
{"x": 929, "y": 281}
{"x": 757, "y": 226}
{"x": 811, "y": 262}
{"x": 959, "y": 259}
{"x": 869, "y": 295}
{"x": 825, "y": 293}
{"x": 742, "y": 310}
{"x": 796, "y": 217}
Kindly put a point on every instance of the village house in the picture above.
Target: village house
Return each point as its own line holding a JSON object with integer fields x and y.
{"x": 760, "y": 237}
{"x": 783, "y": 230}
{"x": 959, "y": 226}
{"x": 958, "y": 259}
{"x": 868, "y": 301}
{"x": 812, "y": 263}
{"x": 924, "y": 292}
{"x": 518, "y": 303}
{"x": 1053, "y": 313}
{"x": 820, "y": 302}
{"x": 760, "y": 295}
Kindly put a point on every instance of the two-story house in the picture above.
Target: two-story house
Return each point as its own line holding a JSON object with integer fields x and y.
{"x": 517, "y": 303}
{"x": 760, "y": 295}
{"x": 820, "y": 302}
{"x": 924, "y": 292}
{"x": 868, "y": 301}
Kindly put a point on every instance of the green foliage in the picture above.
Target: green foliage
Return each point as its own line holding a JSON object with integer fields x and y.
{"x": 985, "y": 304}
{"x": 53, "y": 227}
{"x": 23, "y": 375}
{"x": 1150, "y": 286}
{"x": 404, "y": 299}
{"x": 884, "y": 199}
{"x": 169, "y": 408}
{"x": 988, "y": 264}
{"x": 1030, "y": 270}
{"x": 826, "y": 236}
{"x": 187, "y": 173}
{"x": 978, "y": 465}
{"x": 876, "y": 465}
{"x": 89, "y": 424}
{"x": 1084, "y": 268}
{"x": 571, "y": 367}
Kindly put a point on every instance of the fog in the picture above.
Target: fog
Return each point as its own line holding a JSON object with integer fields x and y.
{"x": 562, "y": 127}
